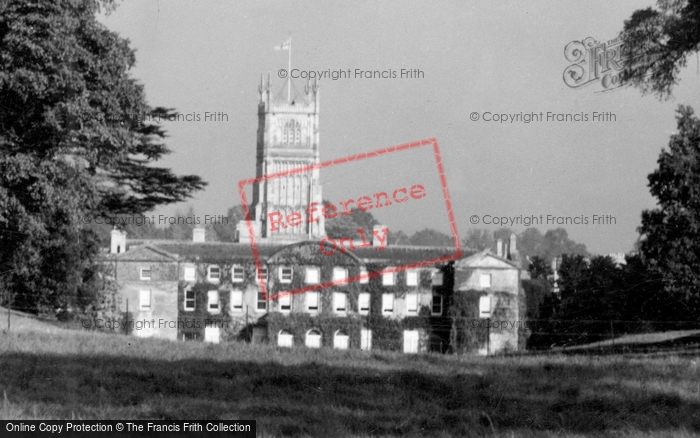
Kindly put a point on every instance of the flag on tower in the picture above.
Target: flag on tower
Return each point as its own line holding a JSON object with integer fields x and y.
{"x": 284, "y": 45}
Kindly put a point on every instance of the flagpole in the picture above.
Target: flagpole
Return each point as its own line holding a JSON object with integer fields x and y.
{"x": 289, "y": 78}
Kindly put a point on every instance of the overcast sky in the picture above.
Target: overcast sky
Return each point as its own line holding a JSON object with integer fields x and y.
{"x": 477, "y": 56}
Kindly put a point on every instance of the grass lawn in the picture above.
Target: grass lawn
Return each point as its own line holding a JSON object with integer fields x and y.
{"x": 53, "y": 373}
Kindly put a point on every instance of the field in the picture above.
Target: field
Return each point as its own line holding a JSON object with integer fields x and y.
{"x": 49, "y": 372}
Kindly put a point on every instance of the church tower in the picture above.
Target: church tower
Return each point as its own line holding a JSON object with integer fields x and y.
{"x": 288, "y": 138}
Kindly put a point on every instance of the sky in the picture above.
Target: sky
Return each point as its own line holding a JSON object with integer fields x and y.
{"x": 475, "y": 59}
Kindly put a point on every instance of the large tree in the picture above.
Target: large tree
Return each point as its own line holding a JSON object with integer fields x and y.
{"x": 77, "y": 139}
{"x": 658, "y": 43}
{"x": 670, "y": 233}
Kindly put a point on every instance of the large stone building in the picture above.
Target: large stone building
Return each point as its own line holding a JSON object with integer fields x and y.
{"x": 214, "y": 292}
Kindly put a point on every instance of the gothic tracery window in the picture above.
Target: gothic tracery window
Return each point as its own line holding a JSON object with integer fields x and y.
{"x": 291, "y": 135}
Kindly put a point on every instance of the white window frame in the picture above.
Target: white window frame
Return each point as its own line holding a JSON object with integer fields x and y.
{"x": 485, "y": 280}
{"x": 309, "y": 301}
{"x": 412, "y": 278}
{"x": 193, "y": 300}
{"x": 237, "y": 277}
{"x": 438, "y": 278}
{"x": 257, "y": 274}
{"x": 340, "y": 275}
{"x": 313, "y": 275}
{"x": 432, "y": 305}
{"x": 388, "y": 277}
{"x": 210, "y": 295}
{"x": 212, "y": 334}
{"x": 258, "y": 301}
{"x": 145, "y": 304}
{"x": 311, "y": 343}
{"x": 237, "y": 301}
{"x": 190, "y": 273}
{"x": 211, "y": 279}
{"x": 341, "y": 340}
{"x": 411, "y": 341}
{"x": 364, "y": 276}
{"x": 340, "y": 303}
{"x": 286, "y": 273}
{"x": 361, "y": 298}
{"x": 365, "y": 339}
{"x": 143, "y": 277}
{"x": 285, "y": 339}
{"x": 284, "y": 303}
{"x": 386, "y": 300}
{"x": 412, "y": 301}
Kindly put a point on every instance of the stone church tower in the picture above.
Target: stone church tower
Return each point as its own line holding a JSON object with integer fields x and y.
{"x": 288, "y": 138}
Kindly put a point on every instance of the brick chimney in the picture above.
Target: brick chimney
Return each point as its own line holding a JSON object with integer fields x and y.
{"x": 198, "y": 235}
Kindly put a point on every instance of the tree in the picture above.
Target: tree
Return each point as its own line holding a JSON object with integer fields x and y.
{"x": 670, "y": 233}
{"x": 430, "y": 237}
{"x": 658, "y": 42}
{"x": 539, "y": 268}
{"x": 346, "y": 225}
{"x": 77, "y": 138}
{"x": 478, "y": 239}
{"x": 556, "y": 242}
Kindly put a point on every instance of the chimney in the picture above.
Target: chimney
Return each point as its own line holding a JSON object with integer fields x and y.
{"x": 513, "y": 249}
{"x": 117, "y": 241}
{"x": 379, "y": 235}
{"x": 499, "y": 247}
{"x": 198, "y": 235}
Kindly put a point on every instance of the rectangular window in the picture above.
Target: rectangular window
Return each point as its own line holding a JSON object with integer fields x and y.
{"x": 286, "y": 274}
{"x": 145, "y": 300}
{"x": 364, "y": 276}
{"x": 211, "y": 334}
{"x": 285, "y": 303}
{"x": 190, "y": 273}
{"x": 387, "y": 304}
{"x": 365, "y": 339}
{"x": 213, "y": 301}
{"x": 412, "y": 304}
{"x": 214, "y": 274}
{"x": 237, "y": 274}
{"x": 485, "y": 280}
{"x": 437, "y": 279}
{"x": 312, "y": 302}
{"x": 237, "y": 301}
{"x": 339, "y": 302}
{"x": 340, "y": 275}
{"x": 437, "y": 305}
{"x": 189, "y": 300}
{"x": 312, "y": 276}
{"x": 261, "y": 273}
{"x": 411, "y": 278}
{"x": 262, "y": 303}
{"x": 387, "y": 278}
{"x": 145, "y": 273}
{"x": 363, "y": 303}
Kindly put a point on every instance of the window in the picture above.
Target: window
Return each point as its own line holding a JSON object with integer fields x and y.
{"x": 312, "y": 276}
{"x": 285, "y": 338}
{"x": 340, "y": 340}
{"x": 313, "y": 339}
{"x": 339, "y": 302}
{"x": 365, "y": 339}
{"x": 387, "y": 304}
{"x": 214, "y": 274}
{"x": 285, "y": 274}
{"x": 213, "y": 301}
{"x": 364, "y": 276}
{"x": 190, "y": 273}
{"x": 262, "y": 302}
{"x": 437, "y": 305}
{"x": 211, "y": 334}
{"x": 412, "y": 304}
{"x": 340, "y": 275}
{"x": 145, "y": 273}
{"x": 285, "y": 303}
{"x": 485, "y": 280}
{"x": 291, "y": 135}
{"x": 237, "y": 274}
{"x": 145, "y": 299}
{"x": 189, "y": 300}
{"x": 363, "y": 303}
{"x": 387, "y": 278}
{"x": 261, "y": 273}
{"x": 410, "y": 341}
{"x": 312, "y": 302}
{"x": 437, "y": 278}
{"x": 237, "y": 301}
{"x": 411, "y": 278}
